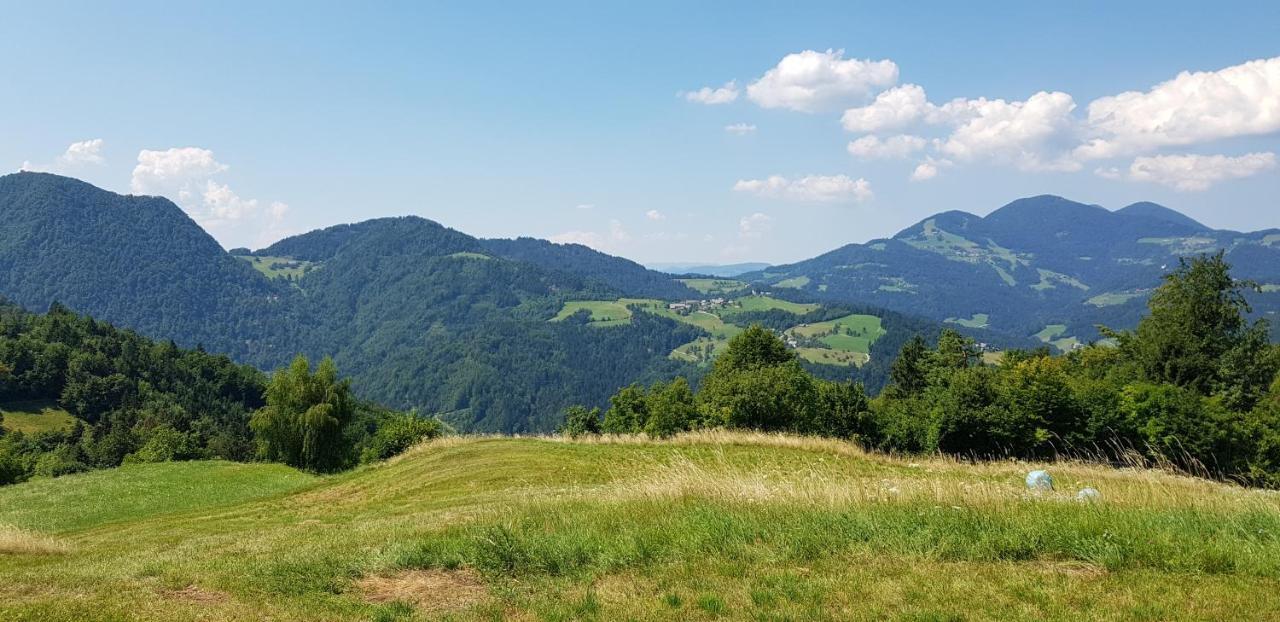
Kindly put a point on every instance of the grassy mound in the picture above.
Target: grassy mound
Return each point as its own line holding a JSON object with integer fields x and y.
{"x": 706, "y": 526}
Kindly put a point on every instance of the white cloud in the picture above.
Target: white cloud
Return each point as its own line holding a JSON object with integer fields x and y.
{"x": 585, "y": 206}
{"x": 924, "y": 171}
{"x": 607, "y": 242}
{"x": 893, "y": 147}
{"x": 711, "y": 97}
{"x": 754, "y": 227}
{"x": 810, "y": 81}
{"x": 812, "y": 188}
{"x": 186, "y": 176}
{"x": 740, "y": 129}
{"x": 158, "y": 172}
{"x": 84, "y": 152}
{"x": 1192, "y": 172}
{"x": 77, "y": 155}
{"x": 1030, "y": 135}
{"x": 1191, "y": 108}
{"x": 654, "y": 214}
{"x": 894, "y": 108}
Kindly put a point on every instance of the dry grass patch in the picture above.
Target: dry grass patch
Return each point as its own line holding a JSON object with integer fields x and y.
{"x": 196, "y": 594}
{"x": 15, "y": 541}
{"x": 431, "y": 591}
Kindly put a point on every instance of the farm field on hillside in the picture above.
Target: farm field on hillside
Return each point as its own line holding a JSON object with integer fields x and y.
{"x": 278, "y": 267}
{"x": 847, "y": 339}
{"x": 707, "y": 526}
{"x": 31, "y": 416}
{"x": 978, "y": 320}
{"x": 715, "y": 286}
{"x": 1053, "y": 335}
{"x": 766, "y": 303}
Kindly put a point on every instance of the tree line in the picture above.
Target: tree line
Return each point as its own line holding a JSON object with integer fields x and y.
{"x": 1194, "y": 385}
{"x": 137, "y": 400}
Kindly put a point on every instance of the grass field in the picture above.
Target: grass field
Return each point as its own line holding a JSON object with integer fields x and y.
{"x": 793, "y": 282}
{"x": 713, "y": 526}
{"x": 979, "y": 320}
{"x": 31, "y": 416}
{"x": 1110, "y": 299}
{"x": 603, "y": 312}
{"x": 1052, "y": 334}
{"x": 278, "y": 267}
{"x": 848, "y": 339}
{"x": 765, "y": 303}
{"x": 1050, "y": 280}
{"x": 714, "y": 286}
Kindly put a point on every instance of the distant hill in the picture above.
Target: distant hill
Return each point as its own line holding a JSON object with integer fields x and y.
{"x": 417, "y": 314}
{"x": 1038, "y": 264}
{"x": 137, "y": 261}
{"x": 720, "y": 270}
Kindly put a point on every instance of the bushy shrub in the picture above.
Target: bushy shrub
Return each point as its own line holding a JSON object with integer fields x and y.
{"x": 578, "y": 421}
{"x": 396, "y": 433}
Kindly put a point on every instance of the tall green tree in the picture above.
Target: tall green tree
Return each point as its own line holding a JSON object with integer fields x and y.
{"x": 909, "y": 374}
{"x": 671, "y": 408}
{"x": 1197, "y": 336}
{"x": 302, "y": 423}
{"x": 627, "y": 412}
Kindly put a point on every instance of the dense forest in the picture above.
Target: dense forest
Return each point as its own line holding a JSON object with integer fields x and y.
{"x": 138, "y": 400}
{"x": 1196, "y": 385}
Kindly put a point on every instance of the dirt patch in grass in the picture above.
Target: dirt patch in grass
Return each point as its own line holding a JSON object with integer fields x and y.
{"x": 196, "y": 594}
{"x": 14, "y": 541}
{"x": 431, "y": 591}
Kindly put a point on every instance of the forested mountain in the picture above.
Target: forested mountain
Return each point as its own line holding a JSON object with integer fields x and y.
{"x": 419, "y": 315}
{"x": 616, "y": 272}
{"x": 137, "y": 261}
{"x": 1041, "y": 265}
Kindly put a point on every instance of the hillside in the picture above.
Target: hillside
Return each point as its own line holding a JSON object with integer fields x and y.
{"x": 706, "y": 526}
{"x": 136, "y": 261}
{"x": 419, "y": 315}
{"x": 1030, "y": 265}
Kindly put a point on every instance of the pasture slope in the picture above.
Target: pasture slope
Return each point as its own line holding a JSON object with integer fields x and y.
{"x": 715, "y": 525}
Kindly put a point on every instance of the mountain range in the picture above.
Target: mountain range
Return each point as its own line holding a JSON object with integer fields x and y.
{"x": 1042, "y": 266}
{"x": 502, "y": 335}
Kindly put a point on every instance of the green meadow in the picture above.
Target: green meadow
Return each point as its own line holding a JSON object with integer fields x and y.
{"x": 278, "y": 267}
{"x": 714, "y": 286}
{"x": 31, "y": 416}
{"x": 707, "y": 526}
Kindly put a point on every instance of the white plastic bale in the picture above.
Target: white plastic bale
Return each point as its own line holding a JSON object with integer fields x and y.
{"x": 1039, "y": 481}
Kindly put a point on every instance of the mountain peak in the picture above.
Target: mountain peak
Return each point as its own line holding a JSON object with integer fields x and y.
{"x": 1155, "y": 211}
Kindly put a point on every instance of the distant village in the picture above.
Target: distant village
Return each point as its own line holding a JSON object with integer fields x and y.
{"x": 685, "y": 307}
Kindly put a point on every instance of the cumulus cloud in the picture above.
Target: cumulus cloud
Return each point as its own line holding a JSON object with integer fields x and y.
{"x": 811, "y": 81}
{"x": 893, "y": 147}
{"x": 924, "y": 171}
{"x": 607, "y": 242}
{"x": 654, "y": 214}
{"x": 711, "y": 97}
{"x": 1026, "y": 134}
{"x": 811, "y": 188}
{"x": 185, "y": 175}
{"x": 77, "y": 155}
{"x": 1191, "y": 108}
{"x": 740, "y": 129}
{"x": 1192, "y": 172}
{"x": 754, "y": 227}
{"x": 897, "y": 107}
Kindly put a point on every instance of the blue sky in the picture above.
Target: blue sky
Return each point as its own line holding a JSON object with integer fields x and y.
{"x": 585, "y": 121}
